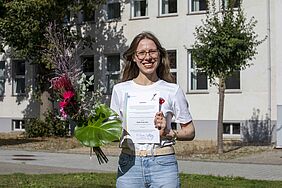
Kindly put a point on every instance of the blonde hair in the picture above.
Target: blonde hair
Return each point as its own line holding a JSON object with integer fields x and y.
{"x": 131, "y": 70}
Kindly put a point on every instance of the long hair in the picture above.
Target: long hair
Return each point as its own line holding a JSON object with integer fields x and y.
{"x": 131, "y": 69}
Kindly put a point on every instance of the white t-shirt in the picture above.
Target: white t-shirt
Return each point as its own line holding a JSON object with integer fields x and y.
{"x": 175, "y": 106}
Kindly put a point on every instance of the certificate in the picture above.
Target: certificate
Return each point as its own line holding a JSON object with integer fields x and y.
{"x": 141, "y": 109}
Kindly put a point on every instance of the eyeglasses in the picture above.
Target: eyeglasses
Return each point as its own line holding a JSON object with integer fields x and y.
{"x": 142, "y": 54}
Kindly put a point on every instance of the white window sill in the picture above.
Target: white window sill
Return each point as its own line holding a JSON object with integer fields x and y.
{"x": 197, "y": 12}
{"x": 231, "y": 91}
{"x": 197, "y": 92}
{"x": 167, "y": 15}
{"x": 139, "y": 18}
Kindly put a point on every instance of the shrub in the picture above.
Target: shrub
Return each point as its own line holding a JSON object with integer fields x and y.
{"x": 36, "y": 128}
{"x": 52, "y": 126}
{"x": 58, "y": 127}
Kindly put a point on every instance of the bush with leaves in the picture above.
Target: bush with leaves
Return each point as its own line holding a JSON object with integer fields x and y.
{"x": 34, "y": 127}
{"x": 58, "y": 127}
{"x": 51, "y": 126}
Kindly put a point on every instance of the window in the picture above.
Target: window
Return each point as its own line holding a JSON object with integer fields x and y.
{"x": 88, "y": 15}
{"x": 198, "y": 80}
{"x": 197, "y": 6}
{"x": 88, "y": 68}
{"x": 168, "y": 6}
{"x": 2, "y": 78}
{"x": 233, "y": 81}
{"x": 173, "y": 63}
{"x": 139, "y": 8}
{"x": 225, "y": 3}
{"x": 18, "y": 125}
{"x": 113, "y": 71}
{"x": 113, "y": 10}
{"x": 18, "y": 77}
{"x": 231, "y": 129}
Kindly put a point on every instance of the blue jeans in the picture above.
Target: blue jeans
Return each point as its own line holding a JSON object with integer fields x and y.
{"x": 147, "y": 172}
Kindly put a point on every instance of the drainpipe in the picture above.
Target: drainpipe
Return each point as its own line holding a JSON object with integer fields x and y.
{"x": 269, "y": 58}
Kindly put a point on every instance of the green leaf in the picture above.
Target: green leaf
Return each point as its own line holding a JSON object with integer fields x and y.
{"x": 102, "y": 128}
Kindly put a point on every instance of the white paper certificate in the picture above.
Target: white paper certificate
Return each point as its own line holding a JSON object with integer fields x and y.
{"x": 141, "y": 109}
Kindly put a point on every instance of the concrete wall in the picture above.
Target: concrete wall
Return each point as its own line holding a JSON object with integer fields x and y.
{"x": 16, "y": 107}
{"x": 276, "y": 45}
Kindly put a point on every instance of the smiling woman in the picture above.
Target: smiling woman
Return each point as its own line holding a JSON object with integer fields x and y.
{"x": 144, "y": 160}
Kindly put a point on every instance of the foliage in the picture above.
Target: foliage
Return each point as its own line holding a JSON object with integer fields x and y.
{"x": 36, "y": 128}
{"x": 257, "y": 130}
{"x": 226, "y": 42}
{"x": 97, "y": 131}
{"x": 52, "y": 126}
{"x": 96, "y": 124}
{"x": 109, "y": 180}
{"x": 57, "y": 127}
{"x": 23, "y": 25}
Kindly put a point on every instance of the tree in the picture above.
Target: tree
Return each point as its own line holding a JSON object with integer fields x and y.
{"x": 23, "y": 25}
{"x": 225, "y": 43}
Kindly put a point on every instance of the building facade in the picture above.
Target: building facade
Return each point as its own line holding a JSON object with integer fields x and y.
{"x": 254, "y": 93}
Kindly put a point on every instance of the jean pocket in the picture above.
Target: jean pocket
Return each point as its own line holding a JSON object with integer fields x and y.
{"x": 167, "y": 160}
{"x": 124, "y": 160}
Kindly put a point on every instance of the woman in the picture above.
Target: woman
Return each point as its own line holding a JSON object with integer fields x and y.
{"x": 151, "y": 164}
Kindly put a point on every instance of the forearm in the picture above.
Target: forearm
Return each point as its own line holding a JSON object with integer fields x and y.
{"x": 186, "y": 133}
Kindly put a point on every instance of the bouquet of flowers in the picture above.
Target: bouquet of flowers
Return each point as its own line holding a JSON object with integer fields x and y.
{"x": 95, "y": 123}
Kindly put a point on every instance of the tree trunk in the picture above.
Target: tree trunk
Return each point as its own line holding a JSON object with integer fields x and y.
{"x": 45, "y": 105}
{"x": 221, "y": 89}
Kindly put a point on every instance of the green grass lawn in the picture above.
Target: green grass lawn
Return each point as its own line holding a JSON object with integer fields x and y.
{"x": 103, "y": 180}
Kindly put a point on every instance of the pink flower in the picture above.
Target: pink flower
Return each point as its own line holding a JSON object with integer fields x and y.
{"x": 68, "y": 95}
{"x": 61, "y": 83}
{"x": 63, "y": 104}
{"x": 63, "y": 113}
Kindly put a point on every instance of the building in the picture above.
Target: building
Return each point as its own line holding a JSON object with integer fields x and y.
{"x": 254, "y": 91}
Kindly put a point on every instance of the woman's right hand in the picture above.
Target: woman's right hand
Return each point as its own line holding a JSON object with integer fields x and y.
{"x": 160, "y": 123}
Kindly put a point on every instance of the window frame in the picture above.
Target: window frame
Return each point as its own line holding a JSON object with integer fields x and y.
{"x": 132, "y": 9}
{"x": 167, "y": 14}
{"x": 190, "y": 11}
{"x": 21, "y": 123}
{"x": 88, "y": 18}
{"x": 231, "y": 134}
{"x": 235, "y": 90}
{"x": 224, "y": 6}
{"x": 174, "y": 70}
{"x": 15, "y": 76}
{"x": 109, "y": 73}
{"x": 194, "y": 70}
{"x": 88, "y": 73}
{"x": 107, "y": 7}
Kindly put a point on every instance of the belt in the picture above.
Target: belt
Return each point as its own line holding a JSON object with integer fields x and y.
{"x": 168, "y": 150}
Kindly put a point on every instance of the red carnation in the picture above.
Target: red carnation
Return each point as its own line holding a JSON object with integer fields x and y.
{"x": 161, "y": 101}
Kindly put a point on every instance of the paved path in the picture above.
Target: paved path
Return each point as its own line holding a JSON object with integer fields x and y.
{"x": 14, "y": 161}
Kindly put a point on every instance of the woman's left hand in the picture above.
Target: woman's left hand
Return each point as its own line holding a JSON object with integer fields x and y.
{"x": 160, "y": 123}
